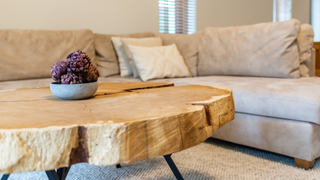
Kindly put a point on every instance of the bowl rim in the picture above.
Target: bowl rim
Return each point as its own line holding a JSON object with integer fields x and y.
{"x": 56, "y": 83}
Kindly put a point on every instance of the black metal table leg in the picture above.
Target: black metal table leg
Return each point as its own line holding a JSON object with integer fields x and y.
{"x": 59, "y": 172}
{"x": 63, "y": 172}
{"x": 52, "y": 175}
{"x": 173, "y": 167}
{"x": 5, "y": 176}
{"x": 118, "y": 166}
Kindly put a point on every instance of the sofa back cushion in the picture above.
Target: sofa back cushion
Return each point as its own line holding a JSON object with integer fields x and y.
{"x": 187, "y": 44}
{"x": 305, "y": 43}
{"x": 265, "y": 49}
{"x": 106, "y": 58}
{"x": 28, "y": 54}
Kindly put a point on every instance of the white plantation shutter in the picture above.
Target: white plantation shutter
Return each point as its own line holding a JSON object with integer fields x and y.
{"x": 177, "y": 16}
{"x": 315, "y": 19}
{"x": 282, "y": 10}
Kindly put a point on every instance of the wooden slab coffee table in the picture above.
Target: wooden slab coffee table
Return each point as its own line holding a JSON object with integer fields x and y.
{"x": 122, "y": 123}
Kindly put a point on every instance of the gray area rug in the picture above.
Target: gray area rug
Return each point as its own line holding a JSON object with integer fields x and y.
{"x": 214, "y": 159}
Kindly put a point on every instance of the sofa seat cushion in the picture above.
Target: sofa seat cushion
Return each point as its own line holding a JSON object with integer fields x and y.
{"x": 296, "y": 99}
{"x": 35, "y": 83}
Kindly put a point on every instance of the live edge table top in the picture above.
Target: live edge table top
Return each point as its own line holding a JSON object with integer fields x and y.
{"x": 121, "y": 123}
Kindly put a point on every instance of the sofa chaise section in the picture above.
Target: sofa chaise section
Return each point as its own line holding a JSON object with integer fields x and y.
{"x": 268, "y": 67}
{"x": 273, "y": 114}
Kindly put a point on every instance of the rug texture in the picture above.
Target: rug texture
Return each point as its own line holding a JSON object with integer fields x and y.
{"x": 214, "y": 159}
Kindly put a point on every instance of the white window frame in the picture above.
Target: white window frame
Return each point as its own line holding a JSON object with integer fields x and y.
{"x": 282, "y": 10}
{"x": 177, "y": 16}
{"x": 315, "y": 18}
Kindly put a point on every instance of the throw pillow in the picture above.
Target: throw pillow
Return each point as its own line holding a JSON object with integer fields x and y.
{"x": 159, "y": 62}
{"x": 265, "y": 49}
{"x": 188, "y": 46}
{"x": 145, "y": 42}
{"x": 125, "y": 69}
{"x": 105, "y": 56}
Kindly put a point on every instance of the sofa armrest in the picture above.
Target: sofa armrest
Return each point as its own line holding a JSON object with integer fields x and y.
{"x": 312, "y": 63}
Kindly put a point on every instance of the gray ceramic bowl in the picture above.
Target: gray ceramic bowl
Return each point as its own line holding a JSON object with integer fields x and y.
{"x": 73, "y": 91}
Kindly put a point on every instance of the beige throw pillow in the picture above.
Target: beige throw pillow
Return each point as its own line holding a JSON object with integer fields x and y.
{"x": 188, "y": 46}
{"x": 105, "y": 55}
{"x": 265, "y": 49}
{"x": 145, "y": 42}
{"x": 159, "y": 62}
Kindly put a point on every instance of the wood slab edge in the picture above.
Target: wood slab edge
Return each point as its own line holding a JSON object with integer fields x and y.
{"x": 62, "y": 146}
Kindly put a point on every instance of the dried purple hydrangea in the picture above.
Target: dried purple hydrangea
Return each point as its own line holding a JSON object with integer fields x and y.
{"x": 57, "y": 70}
{"x": 77, "y": 69}
{"x": 72, "y": 78}
{"x": 93, "y": 74}
{"x": 78, "y": 62}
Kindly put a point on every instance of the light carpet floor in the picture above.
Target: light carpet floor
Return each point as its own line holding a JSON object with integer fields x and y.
{"x": 214, "y": 159}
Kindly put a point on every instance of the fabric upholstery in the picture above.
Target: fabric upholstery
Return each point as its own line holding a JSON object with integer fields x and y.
{"x": 296, "y": 99}
{"x": 35, "y": 83}
{"x": 124, "y": 65}
{"x": 145, "y": 42}
{"x": 117, "y": 78}
{"x": 265, "y": 50}
{"x": 312, "y": 63}
{"x": 187, "y": 45}
{"x": 291, "y": 138}
{"x": 106, "y": 58}
{"x": 305, "y": 43}
{"x": 159, "y": 62}
{"x": 27, "y": 54}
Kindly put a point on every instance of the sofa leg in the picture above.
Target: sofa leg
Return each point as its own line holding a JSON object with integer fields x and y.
{"x": 303, "y": 163}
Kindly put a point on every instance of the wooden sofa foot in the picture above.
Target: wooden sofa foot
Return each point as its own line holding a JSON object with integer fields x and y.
{"x": 303, "y": 163}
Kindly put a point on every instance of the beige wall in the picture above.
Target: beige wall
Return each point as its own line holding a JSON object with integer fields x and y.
{"x": 130, "y": 16}
{"x": 301, "y": 10}
{"x": 101, "y": 16}
{"x": 220, "y": 13}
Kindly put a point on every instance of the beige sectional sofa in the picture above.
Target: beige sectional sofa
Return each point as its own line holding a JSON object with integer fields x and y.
{"x": 271, "y": 68}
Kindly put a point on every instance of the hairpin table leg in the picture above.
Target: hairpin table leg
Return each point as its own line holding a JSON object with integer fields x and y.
{"x": 5, "y": 176}
{"x": 52, "y": 175}
{"x": 173, "y": 167}
{"x": 63, "y": 172}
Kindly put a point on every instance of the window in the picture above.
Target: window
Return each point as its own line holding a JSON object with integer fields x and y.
{"x": 282, "y": 10}
{"x": 177, "y": 16}
{"x": 315, "y": 19}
